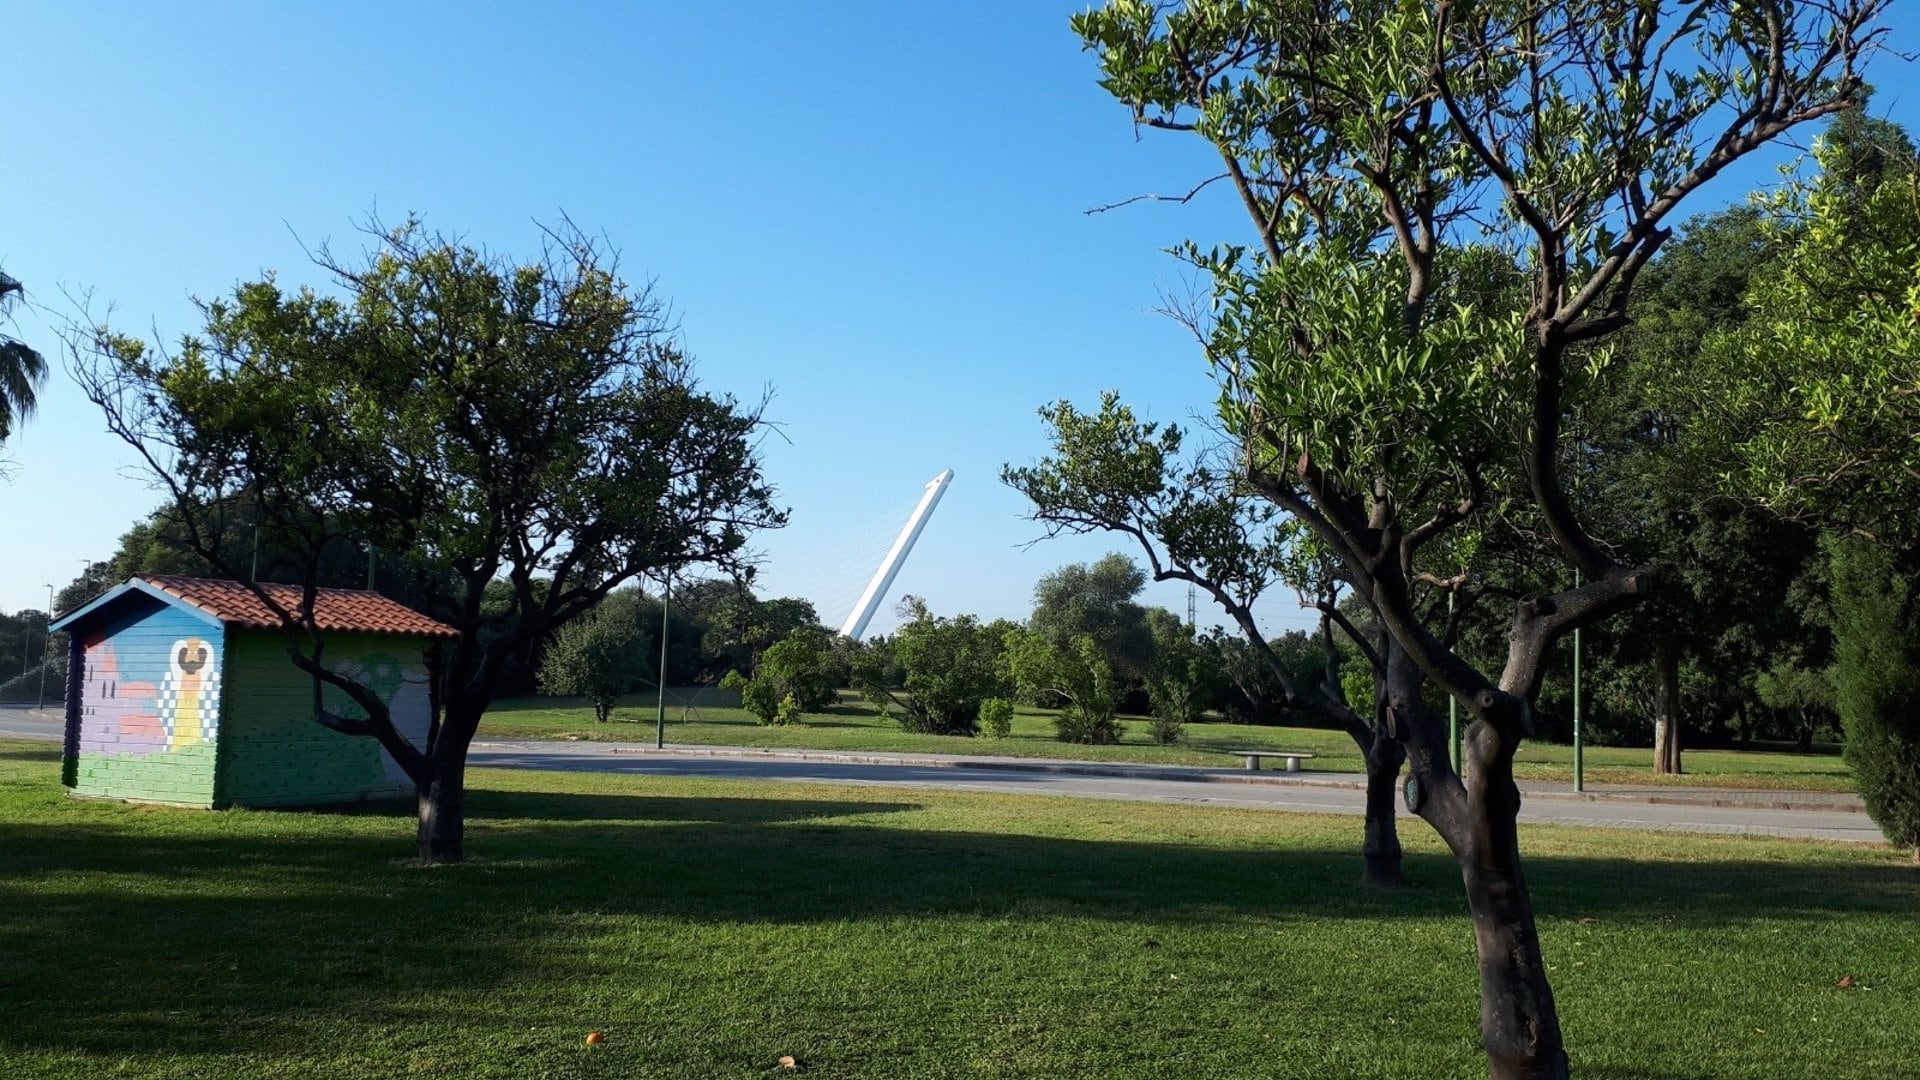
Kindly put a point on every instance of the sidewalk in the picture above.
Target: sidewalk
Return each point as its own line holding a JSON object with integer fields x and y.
{"x": 1829, "y": 801}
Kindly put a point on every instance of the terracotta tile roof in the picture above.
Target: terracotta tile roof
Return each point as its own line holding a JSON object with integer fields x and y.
{"x": 334, "y": 609}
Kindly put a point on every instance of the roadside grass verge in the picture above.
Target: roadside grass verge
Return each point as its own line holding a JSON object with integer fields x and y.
{"x": 709, "y": 927}
{"x": 704, "y": 717}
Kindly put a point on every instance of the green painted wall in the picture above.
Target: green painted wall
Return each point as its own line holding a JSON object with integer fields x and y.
{"x": 271, "y": 751}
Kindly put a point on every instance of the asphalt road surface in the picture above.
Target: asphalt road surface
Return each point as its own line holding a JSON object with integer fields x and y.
{"x": 1274, "y": 793}
{"x": 1316, "y": 793}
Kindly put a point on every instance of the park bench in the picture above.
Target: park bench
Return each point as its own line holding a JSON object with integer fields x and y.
{"x": 1293, "y": 758}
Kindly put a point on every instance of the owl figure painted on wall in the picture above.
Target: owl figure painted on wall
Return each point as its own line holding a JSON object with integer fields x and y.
{"x": 190, "y": 694}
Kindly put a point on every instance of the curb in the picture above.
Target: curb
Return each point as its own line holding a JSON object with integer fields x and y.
{"x": 1760, "y": 800}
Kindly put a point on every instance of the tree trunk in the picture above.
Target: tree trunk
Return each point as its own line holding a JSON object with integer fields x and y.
{"x": 1382, "y": 844}
{"x": 1666, "y": 713}
{"x": 1519, "y": 1025}
{"x": 443, "y": 792}
{"x": 443, "y": 813}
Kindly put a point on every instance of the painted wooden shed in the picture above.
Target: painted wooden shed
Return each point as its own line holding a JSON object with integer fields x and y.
{"x": 179, "y": 690}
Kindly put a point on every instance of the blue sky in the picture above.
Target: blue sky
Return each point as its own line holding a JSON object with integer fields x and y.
{"x": 874, "y": 210}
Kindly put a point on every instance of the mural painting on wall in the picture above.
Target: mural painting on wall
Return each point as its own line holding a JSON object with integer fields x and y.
{"x": 178, "y": 709}
{"x": 402, "y": 685}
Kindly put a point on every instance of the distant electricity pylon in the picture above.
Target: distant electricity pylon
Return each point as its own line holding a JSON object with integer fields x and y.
{"x": 856, "y": 624}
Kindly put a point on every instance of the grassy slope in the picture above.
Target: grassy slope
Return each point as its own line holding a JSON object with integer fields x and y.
{"x": 710, "y": 926}
{"x": 854, "y": 725}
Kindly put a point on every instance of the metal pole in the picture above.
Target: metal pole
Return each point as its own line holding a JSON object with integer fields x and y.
{"x": 660, "y": 703}
{"x": 1453, "y": 707}
{"x": 1579, "y": 745}
{"x": 46, "y": 649}
{"x": 256, "y": 553}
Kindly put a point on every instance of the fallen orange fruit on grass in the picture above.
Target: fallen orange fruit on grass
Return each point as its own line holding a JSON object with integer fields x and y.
{"x": 594, "y": 1038}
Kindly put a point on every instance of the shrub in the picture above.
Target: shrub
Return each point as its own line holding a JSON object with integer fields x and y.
{"x": 757, "y": 696}
{"x": 599, "y": 656}
{"x": 946, "y": 667}
{"x": 996, "y": 717}
{"x": 1876, "y": 635}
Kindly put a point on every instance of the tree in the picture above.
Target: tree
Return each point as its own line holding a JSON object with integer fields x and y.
{"x": 1098, "y": 600}
{"x": 946, "y": 668}
{"x": 21, "y": 369}
{"x": 1810, "y": 408}
{"x": 600, "y": 655}
{"x": 801, "y": 669}
{"x": 531, "y": 428}
{"x": 1180, "y": 684}
{"x": 1195, "y": 522}
{"x": 1076, "y": 675}
{"x": 1452, "y": 204}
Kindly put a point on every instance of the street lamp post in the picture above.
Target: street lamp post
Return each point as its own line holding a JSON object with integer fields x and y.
{"x": 46, "y": 649}
{"x": 660, "y": 701}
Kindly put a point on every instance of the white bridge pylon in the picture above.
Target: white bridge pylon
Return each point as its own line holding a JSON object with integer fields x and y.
{"x": 856, "y": 623}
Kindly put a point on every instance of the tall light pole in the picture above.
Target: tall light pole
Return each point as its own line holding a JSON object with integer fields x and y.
{"x": 1453, "y": 707}
{"x": 1579, "y": 742}
{"x": 46, "y": 648}
{"x": 660, "y": 702}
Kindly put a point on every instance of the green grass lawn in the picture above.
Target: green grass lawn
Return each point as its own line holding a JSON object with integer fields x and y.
{"x": 709, "y": 927}
{"x": 710, "y": 718}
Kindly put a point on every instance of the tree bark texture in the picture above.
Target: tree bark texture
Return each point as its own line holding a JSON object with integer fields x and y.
{"x": 443, "y": 812}
{"x": 1382, "y": 843}
{"x": 1666, "y": 713}
{"x": 1519, "y": 1023}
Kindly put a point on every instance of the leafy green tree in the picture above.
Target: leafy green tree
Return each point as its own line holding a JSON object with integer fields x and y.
{"x": 1180, "y": 684}
{"x": 945, "y": 668}
{"x": 1195, "y": 522}
{"x": 1099, "y": 600}
{"x": 601, "y": 655}
{"x": 794, "y": 676}
{"x": 1076, "y": 675}
{"x": 1805, "y": 693}
{"x": 1452, "y": 204}
{"x": 532, "y": 424}
{"x": 21, "y": 369}
{"x": 1810, "y": 405}
{"x": 739, "y": 626}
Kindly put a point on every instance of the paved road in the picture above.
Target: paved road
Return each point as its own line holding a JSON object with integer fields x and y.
{"x": 1819, "y": 817}
{"x": 1313, "y": 795}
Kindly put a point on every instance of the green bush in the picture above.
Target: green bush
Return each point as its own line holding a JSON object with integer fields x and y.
{"x": 599, "y": 655}
{"x": 996, "y": 717}
{"x": 946, "y": 667}
{"x": 1876, "y": 632}
{"x": 757, "y": 696}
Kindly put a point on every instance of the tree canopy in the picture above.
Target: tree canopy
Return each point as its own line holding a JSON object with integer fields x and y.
{"x": 532, "y": 428}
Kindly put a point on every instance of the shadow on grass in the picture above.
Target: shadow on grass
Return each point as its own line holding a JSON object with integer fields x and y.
{"x": 186, "y": 919}
{"x": 21, "y": 753}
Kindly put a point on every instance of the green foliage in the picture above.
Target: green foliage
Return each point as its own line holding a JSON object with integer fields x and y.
{"x": 996, "y": 717}
{"x": 1876, "y": 607}
{"x": 1181, "y": 683}
{"x": 1077, "y": 675}
{"x": 22, "y": 369}
{"x": 1097, "y": 600}
{"x": 757, "y": 696}
{"x": 739, "y": 626}
{"x": 531, "y": 427}
{"x": 600, "y": 655}
{"x": 1811, "y": 404}
{"x": 945, "y": 667}
{"x": 796, "y": 675}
